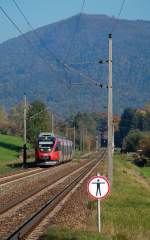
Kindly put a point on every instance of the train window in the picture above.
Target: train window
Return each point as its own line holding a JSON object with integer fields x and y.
{"x": 58, "y": 147}
{"x": 63, "y": 150}
{"x": 66, "y": 149}
{"x": 69, "y": 149}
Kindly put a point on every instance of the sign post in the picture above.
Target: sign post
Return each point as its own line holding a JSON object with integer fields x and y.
{"x": 98, "y": 188}
{"x": 99, "y": 214}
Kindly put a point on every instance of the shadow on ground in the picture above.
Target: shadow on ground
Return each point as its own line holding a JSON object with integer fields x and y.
{"x": 20, "y": 165}
{"x": 10, "y": 146}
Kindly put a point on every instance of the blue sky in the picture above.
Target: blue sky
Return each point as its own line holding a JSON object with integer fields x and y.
{"x": 42, "y": 12}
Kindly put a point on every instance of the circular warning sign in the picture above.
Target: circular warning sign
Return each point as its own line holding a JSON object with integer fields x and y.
{"x": 98, "y": 187}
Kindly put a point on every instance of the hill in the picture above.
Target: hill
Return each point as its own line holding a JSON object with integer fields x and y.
{"x": 32, "y": 69}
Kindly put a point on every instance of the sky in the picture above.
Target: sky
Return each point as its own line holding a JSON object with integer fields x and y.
{"x": 43, "y": 12}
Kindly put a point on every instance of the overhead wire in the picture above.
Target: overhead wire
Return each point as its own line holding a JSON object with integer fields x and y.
{"x": 66, "y": 66}
{"x": 13, "y": 23}
{"x": 118, "y": 16}
{"x": 114, "y": 27}
{"x": 70, "y": 47}
{"x": 61, "y": 62}
{"x": 68, "y": 51}
{"x": 75, "y": 31}
{"x": 34, "y": 31}
{"x": 22, "y": 33}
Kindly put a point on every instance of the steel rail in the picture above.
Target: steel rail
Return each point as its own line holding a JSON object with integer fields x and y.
{"x": 39, "y": 215}
{"x": 5, "y": 207}
{"x": 21, "y": 175}
{"x": 12, "y": 178}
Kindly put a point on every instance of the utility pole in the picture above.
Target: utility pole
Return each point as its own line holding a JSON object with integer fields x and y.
{"x": 83, "y": 139}
{"x": 110, "y": 114}
{"x": 67, "y": 131}
{"x": 25, "y": 132}
{"x": 97, "y": 146}
{"x": 52, "y": 123}
{"x": 74, "y": 138}
{"x": 113, "y": 139}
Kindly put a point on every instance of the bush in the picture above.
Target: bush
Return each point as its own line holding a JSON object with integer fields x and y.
{"x": 131, "y": 142}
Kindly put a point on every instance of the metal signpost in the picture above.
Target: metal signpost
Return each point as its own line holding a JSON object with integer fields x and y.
{"x": 98, "y": 188}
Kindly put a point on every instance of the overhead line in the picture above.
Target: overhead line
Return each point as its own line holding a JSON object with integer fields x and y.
{"x": 72, "y": 39}
{"x": 121, "y": 8}
{"x": 112, "y": 31}
{"x": 69, "y": 68}
{"x": 13, "y": 23}
{"x": 75, "y": 31}
{"x": 21, "y": 12}
{"x": 21, "y": 32}
{"x": 66, "y": 66}
{"x": 34, "y": 31}
{"x": 118, "y": 16}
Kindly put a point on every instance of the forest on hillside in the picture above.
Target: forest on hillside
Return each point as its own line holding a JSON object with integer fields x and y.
{"x": 42, "y": 75}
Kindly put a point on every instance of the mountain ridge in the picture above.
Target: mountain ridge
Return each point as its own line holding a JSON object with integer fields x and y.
{"x": 42, "y": 76}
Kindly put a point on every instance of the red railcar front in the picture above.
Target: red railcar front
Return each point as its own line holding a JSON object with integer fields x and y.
{"x": 51, "y": 149}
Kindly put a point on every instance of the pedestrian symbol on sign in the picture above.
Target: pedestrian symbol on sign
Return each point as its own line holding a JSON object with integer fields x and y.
{"x": 98, "y": 189}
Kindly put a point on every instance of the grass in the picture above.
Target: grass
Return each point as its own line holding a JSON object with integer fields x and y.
{"x": 127, "y": 210}
{"x": 10, "y": 149}
{"x": 125, "y": 213}
{"x": 145, "y": 171}
{"x": 64, "y": 234}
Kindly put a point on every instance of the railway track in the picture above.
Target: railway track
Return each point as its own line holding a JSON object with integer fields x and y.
{"x": 5, "y": 207}
{"x": 27, "y": 173}
{"x": 18, "y": 176}
{"x": 62, "y": 186}
{"x": 26, "y": 186}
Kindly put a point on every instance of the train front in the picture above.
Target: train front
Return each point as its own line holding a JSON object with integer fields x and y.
{"x": 44, "y": 150}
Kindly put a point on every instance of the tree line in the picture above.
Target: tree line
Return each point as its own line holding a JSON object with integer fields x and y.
{"x": 83, "y": 127}
{"x": 133, "y": 132}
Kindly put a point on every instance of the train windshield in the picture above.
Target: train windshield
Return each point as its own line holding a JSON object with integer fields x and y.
{"x": 46, "y": 145}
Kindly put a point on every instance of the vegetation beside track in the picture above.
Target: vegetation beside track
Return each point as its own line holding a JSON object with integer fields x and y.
{"x": 145, "y": 171}
{"x": 10, "y": 149}
{"x": 64, "y": 234}
{"x": 125, "y": 213}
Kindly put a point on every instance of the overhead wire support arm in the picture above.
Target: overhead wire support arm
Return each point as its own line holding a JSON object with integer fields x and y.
{"x": 69, "y": 68}
{"x": 103, "y": 61}
{"x": 82, "y": 63}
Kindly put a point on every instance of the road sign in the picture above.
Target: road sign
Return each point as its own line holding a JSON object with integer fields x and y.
{"x": 98, "y": 187}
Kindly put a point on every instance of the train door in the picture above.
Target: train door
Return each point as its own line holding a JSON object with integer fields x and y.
{"x": 58, "y": 154}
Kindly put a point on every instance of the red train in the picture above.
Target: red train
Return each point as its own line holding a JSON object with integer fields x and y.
{"x": 52, "y": 149}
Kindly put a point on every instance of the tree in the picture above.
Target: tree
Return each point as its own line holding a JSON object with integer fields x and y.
{"x": 132, "y": 140}
{"x": 3, "y": 120}
{"x": 144, "y": 144}
{"x": 125, "y": 125}
{"x": 38, "y": 120}
{"x": 16, "y": 119}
